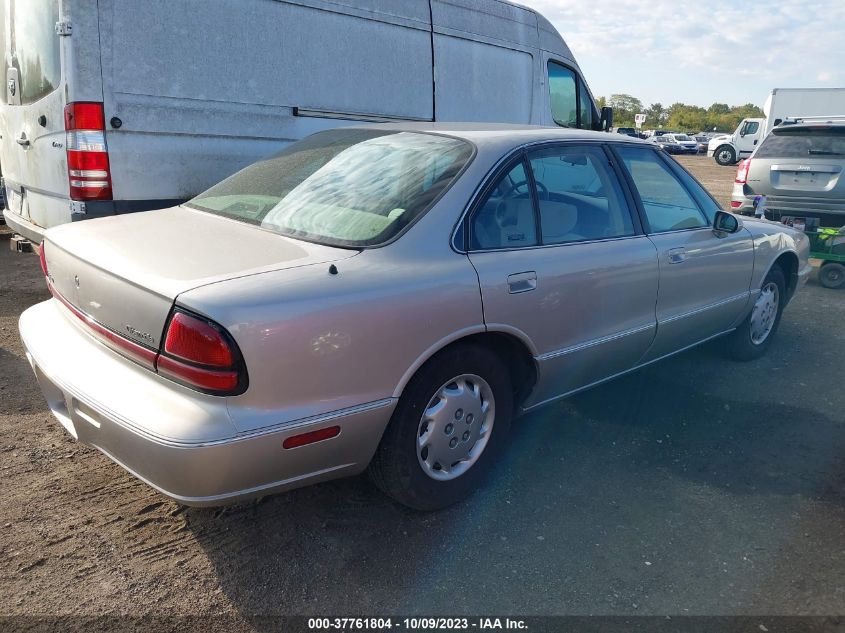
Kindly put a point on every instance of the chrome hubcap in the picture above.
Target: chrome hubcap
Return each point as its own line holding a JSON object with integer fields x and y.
{"x": 765, "y": 312}
{"x": 725, "y": 155}
{"x": 455, "y": 427}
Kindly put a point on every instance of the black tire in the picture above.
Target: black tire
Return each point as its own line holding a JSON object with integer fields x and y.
{"x": 832, "y": 275}
{"x": 741, "y": 345}
{"x": 396, "y": 467}
{"x": 725, "y": 155}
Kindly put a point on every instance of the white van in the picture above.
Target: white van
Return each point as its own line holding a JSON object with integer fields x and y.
{"x": 119, "y": 105}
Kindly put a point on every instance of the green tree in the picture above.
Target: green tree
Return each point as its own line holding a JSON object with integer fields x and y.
{"x": 624, "y": 108}
{"x": 655, "y": 115}
{"x": 679, "y": 116}
{"x": 718, "y": 109}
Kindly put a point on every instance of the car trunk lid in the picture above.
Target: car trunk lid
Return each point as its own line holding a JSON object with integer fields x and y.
{"x": 124, "y": 273}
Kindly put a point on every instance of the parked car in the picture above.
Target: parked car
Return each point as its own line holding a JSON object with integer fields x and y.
{"x": 798, "y": 167}
{"x": 667, "y": 143}
{"x": 113, "y": 106}
{"x": 702, "y": 140}
{"x": 688, "y": 145}
{"x": 628, "y": 131}
{"x": 320, "y": 312}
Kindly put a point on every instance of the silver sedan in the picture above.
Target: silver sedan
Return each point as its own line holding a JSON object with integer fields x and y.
{"x": 389, "y": 298}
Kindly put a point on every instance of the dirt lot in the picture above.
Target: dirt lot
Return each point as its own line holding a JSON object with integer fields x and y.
{"x": 696, "y": 486}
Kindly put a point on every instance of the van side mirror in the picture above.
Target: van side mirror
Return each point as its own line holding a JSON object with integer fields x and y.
{"x": 726, "y": 222}
{"x": 742, "y": 129}
{"x": 606, "y": 118}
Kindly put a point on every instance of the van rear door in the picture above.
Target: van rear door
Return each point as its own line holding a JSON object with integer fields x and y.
{"x": 32, "y": 136}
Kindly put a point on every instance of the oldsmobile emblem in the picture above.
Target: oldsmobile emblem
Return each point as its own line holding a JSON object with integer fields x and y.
{"x": 139, "y": 334}
{"x": 13, "y": 87}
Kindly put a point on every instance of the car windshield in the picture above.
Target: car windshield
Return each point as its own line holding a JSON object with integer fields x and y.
{"x": 348, "y": 187}
{"x": 682, "y": 137}
{"x": 803, "y": 142}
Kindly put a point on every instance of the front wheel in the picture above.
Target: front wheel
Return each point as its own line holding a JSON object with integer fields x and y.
{"x": 832, "y": 275}
{"x": 753, "y": 337}
{"x": 725, "y": 155}
{"x": 447, "y": 430}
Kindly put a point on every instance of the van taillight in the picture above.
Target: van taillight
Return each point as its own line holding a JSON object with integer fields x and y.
{"x": 200, "y": 354}
{"x": 87, "y": 154}
{"x": 742, "y": 171}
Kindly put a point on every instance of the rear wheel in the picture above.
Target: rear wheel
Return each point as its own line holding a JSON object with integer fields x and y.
{"x": 753, "y": 337}
{"x": 725, "y": 155}
{"x": 832, "y": 275}
{"x": 447, "y": 430}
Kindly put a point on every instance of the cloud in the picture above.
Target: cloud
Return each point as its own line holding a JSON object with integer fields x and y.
{"x": 779, "y": 43}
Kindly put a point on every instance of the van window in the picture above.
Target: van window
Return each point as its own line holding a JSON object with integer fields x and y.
{"x": 35, "y": 47}
{"x": 4, "y": 40}
{"x": 586, "y": 107}
{"x": 563, "y": 95}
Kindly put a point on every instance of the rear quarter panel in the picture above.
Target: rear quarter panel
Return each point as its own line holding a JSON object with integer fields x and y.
{"x": 315, "y": 343}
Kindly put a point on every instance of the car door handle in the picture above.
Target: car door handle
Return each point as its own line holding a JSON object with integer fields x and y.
{"x": 522, "y": 282}
{"x": 677, "y": 256}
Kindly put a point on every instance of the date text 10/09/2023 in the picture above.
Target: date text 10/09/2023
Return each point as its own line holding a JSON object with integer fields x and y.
{"x": 415, "y": 624}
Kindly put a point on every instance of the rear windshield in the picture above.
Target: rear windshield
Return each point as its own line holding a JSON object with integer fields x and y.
{"x": 802, "y": 142}
{"x": 31, "y": 46}
{"x": 352, "y": 188}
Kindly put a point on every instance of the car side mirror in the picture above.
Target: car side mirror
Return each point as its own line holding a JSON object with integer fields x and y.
{"x": 742, "y": 131}
{"x": 606, "y": 118}
{"x": 725, "y": 222}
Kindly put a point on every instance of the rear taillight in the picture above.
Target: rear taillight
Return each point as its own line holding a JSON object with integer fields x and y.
{"x": 42, "y": 256}
{"x": 87, "y": 154}
{"x": 202, "y": 355}
{"x": 742, "y": 172}
{"x": 736, "y": 204}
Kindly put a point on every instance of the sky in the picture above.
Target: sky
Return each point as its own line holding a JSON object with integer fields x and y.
{"x": 702, "y": 51}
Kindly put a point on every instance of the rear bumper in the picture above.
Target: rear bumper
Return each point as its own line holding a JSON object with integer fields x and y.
{"x": 178, "y": 441}
{"x": 18, "y": 224}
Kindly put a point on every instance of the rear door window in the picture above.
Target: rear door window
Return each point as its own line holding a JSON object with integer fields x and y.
{"x": 803, "y": 143}
{"x": 33, "y": 46}
{"x": 506, "y": 219}
{"x": 578, "y": 195}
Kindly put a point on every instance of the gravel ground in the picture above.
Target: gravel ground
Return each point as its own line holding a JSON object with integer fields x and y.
{"x": 695, "y": 486}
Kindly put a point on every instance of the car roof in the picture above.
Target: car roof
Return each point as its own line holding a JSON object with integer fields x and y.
{"x": 499, "y": 134}
{"x": 809, "y": 125}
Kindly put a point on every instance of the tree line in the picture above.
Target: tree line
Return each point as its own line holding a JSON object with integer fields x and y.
{"x": 678, "y": 116}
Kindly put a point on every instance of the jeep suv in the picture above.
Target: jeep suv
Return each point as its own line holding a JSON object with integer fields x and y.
{"x": 800, "y": 168}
